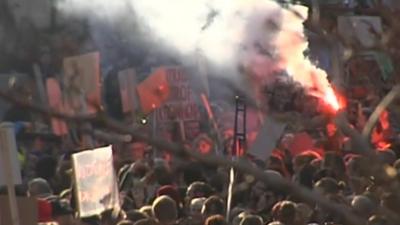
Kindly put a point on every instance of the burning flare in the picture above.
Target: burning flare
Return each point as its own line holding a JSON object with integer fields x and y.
{"x": 331, "y": 99}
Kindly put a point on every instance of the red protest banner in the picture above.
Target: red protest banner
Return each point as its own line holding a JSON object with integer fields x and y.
{"x": 180, "y": 105}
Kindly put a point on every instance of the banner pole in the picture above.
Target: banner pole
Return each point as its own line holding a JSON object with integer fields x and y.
{"x": 87, "y": 140}
{"x": 7, "y": 142}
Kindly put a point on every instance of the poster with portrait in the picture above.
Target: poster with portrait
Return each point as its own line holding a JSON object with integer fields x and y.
{"x": 82, "y": 82}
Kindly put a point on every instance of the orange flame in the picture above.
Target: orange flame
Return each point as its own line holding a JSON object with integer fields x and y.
{"x": 331, "y": 99}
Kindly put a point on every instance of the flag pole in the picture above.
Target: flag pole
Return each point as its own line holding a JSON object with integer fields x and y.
{"x": 239, "y": 143}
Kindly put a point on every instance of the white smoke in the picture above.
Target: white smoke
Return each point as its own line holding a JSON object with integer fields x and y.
{"x": 229, "y": 33}
{"x": 222, "y": 30}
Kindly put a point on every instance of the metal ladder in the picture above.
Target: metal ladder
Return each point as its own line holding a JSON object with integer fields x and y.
{"x": 239, "y": 136}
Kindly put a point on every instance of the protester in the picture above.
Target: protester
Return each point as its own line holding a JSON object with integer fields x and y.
{"x": 165, "y": 210}
{"x": 165, "y": 189}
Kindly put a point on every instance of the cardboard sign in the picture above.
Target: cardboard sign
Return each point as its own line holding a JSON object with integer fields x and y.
{"x": 54, "y": 96}
{"x": 82, "y": 77}
{"x": 95, "y": 180}
{"x": 7, "y": 141}
{"x": 27, "y": 209}
{"x": 180, "y": 104}
{"x": 127, "y": 87}
{"x": 267, "y": 138}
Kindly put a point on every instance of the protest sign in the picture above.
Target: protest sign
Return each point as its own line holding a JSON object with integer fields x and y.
{"x": 82, "y": 80}
{"x": 127, "y": 87}
{"x": 169, "y": 90}
{"x": 95, "y": 181}
{"x": 267, "y": 138}
{"x": 7, "y": 142}
{"x": 27, "y": 209}
{"x": 55, "y": 101}
{"x": 9, "y": 167}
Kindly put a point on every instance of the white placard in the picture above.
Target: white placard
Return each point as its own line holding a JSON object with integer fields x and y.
{"x": 95, "y": 181}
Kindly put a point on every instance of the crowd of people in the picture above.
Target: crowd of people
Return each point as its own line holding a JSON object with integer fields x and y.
{"x": 170, "y": 190}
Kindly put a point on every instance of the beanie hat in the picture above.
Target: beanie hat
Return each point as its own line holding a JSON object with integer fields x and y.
{"x": 170, "y": 191}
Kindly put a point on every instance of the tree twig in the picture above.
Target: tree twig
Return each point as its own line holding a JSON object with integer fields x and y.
{"x": 277, "y": 183}
{"x": 373, "y": 119}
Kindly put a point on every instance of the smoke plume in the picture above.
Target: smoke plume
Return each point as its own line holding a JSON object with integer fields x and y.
{"x": 260, "y": 36}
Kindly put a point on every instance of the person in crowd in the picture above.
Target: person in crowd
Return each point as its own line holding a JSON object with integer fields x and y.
{"x": 62, "y": 213}
{"x": 284, "y": 212}
{"x": 39, "y": 188}
{"x": 216, "y": 220}
{"x": 165, "y": 210}
{"x": 252, "y": 220}
{"x": 135, "y": 215}
{"x": 214, "y": 205}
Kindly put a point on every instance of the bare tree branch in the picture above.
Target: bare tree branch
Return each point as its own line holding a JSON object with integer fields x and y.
{"x": 373, "y": 119}
{"x": 178, "y": 150}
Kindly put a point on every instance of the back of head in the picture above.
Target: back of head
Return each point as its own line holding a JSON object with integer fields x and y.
{"x": 214, "y": 205}
{"x": 216, "y": 220}
{"x": 303, "y": 213}
{"x": 198, "y": 189}
{"x": 286, "y": 212}
{"x": 327, "y": 185}
{"x": 135, "y": 215}
{"x": 196, "y": 205}
{"x": 165, "y": 210}
{"x": 252, "y": 220}
{"x": 306, "y": 175}
{"x": 363, "y": 206}
{"x": 39, "y": 188}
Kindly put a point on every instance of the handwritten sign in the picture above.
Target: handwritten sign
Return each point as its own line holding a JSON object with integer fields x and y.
{"x": 180, "y": 104}
{"x": 95, "y": 179}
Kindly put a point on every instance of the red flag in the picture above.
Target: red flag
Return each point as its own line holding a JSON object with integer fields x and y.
{"x": 154, "y": 91}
